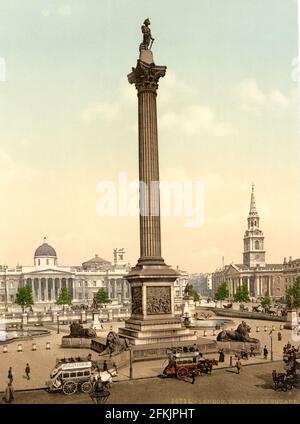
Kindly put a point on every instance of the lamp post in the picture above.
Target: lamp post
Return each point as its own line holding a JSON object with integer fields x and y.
{"x": 57, "y": 322}
{"x": 130, "y": 363}
{"x": 271, "y": 337}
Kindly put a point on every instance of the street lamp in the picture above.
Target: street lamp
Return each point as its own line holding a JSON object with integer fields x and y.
{"x": 57, "y": 322}
{"x": 130, "y": 362}
{"x": 271, "y": 337}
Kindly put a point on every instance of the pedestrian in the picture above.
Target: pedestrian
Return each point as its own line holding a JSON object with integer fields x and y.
{"x": 9, "y": 393}
{"x": 193, "y": 377}
{"x": 10, "y": 375}
{"x": 27, "y": 371}
{"x": 288, "y": 346}
{"x": 238, "y": 365}
{"x": 105, "y": 368}
{"x": 252, "y": 351}
{"x": 221, "y": 355}
{"x": 265, "y": 352}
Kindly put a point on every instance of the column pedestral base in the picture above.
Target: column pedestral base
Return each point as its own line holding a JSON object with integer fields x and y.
{"x": 153, "y": 319}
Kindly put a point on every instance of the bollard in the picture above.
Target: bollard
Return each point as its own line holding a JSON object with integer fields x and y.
{"x": 4, "y": 349}
{"x": 265, "y": 328}
{"x": 19, "y": 348}
{"x": 230, "y": 363}
{"x": 273, "y": 328}
{"x": 48, "y": 346}
{"x": 33, "y": 346}
{"x": 257, "y": 329}
{"x": 204, "y": 333}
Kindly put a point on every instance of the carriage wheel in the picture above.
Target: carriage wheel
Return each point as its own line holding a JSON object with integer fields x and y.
{"x": 289, "y": 386}
{"x": 69, "y": 388}
{"x": 86, "y": 387}
{"x": 182, "y": 372}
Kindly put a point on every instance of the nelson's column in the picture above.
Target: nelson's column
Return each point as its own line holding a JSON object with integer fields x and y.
{"x": 152, "y": 319}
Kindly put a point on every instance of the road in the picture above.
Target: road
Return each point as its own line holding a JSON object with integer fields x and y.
{"x": 253, "y": 385}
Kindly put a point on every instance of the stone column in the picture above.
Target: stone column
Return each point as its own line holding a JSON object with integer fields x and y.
{"x": 145, "y": 77}
{"x": 39, "y": 289}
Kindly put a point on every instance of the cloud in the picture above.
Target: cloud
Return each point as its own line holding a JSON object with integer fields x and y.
{"x": 254, "y": 99}
{"x": 64, "y": 10}
{"x": 194, "y": 119}
{"x": 45, "y": 12}
{"x": 108, "y": 112}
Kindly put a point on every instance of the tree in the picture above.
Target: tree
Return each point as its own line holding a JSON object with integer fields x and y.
{"x": 196, "y": 296}
{"x": 64, "y": 298}
{"x": 241, "y": 294}
{"x": 102, "y": 297}
{"x": 222, "y": 292}
{"x": 292, "y": 295}
{"x": 24, "y": 297}
{"x": 265, "y": 301}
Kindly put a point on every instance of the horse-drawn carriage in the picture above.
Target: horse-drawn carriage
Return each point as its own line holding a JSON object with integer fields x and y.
{"x": 182, "y": 365}
{"x": 81, "y": 375}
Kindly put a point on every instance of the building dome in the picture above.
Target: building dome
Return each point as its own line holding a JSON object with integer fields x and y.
{"x": 45, "y": 250}
{"x": 95, "y": 264}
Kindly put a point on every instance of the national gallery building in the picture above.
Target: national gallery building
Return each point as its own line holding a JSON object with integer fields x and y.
{"x": 47, "y": 278}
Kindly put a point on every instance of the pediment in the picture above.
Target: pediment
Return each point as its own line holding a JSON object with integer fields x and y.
{"x": 49, "y": 271}
{"x": 232, "y": 270}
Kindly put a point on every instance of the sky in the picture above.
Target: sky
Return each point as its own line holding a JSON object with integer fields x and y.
{"x": 227, "y": 117}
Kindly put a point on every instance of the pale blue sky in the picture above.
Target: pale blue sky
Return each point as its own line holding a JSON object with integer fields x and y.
{"x": 228, "y": 116}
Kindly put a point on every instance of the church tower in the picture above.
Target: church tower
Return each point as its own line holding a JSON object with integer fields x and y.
{"x": 254, "y": 253}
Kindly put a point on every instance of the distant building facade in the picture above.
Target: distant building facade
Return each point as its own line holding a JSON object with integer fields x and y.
{"x": 261, "y": 278}
{"x": 47, "y": 278}
{"x": 202, "y": 284}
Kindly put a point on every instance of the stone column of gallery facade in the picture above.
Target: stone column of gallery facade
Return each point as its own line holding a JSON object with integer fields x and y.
{"x": 151, "y": 280}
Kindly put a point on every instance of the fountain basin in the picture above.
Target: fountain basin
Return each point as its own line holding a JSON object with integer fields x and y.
{"x": 206, "y": 324}
{"x": 8, "y": 336}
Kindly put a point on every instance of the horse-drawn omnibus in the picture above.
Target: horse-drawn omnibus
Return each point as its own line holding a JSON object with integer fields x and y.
{"x": 69, "y": 377}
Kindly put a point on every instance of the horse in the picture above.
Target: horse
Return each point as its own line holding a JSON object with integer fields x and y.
{"x": 105, "y": 377}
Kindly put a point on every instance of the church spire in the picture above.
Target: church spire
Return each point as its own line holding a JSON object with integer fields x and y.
{"x": 254, "y": 253}
{"x": 253, "y": 210}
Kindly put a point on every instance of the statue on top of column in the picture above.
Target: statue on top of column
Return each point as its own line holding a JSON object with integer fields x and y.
{"x": 147, "y": 37}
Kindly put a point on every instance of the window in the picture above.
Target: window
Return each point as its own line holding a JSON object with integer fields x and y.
{"x": 39, "y": 262}
{"x": 80, "y": 374}
{"x": 2, "y": 298}
{"x": 66, "y": 375}
{"x": 79, "y": 284}
{"x": 73, "y": 374}
{"x": 86, "y": 283}
{"x": 257, "y": 245}
{"x": 47, "y": 261}
{"x": 12, "y": 298}
{"x": 94, "y": 283}
{"x": 86, "y": 373}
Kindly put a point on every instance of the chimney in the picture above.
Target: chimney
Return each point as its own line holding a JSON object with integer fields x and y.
{"x": 290, "y": 259}
{"x": 284, "y": 260}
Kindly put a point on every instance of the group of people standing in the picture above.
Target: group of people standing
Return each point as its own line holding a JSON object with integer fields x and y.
{"x": 9, "y": 392}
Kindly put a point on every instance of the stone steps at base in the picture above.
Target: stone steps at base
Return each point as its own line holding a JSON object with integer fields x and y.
{"x": 155, "y": 334}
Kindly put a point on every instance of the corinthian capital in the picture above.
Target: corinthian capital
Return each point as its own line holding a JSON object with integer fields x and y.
{"x": 146, "y": 76}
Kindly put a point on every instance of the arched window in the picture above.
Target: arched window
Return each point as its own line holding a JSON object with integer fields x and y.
{"x": 257, "y": 245}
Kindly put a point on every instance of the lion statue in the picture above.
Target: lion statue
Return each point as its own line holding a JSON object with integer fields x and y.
{"x": 77, "y": 330}
{"x": 114, "y": 344}
{"x": 241, "y": 334}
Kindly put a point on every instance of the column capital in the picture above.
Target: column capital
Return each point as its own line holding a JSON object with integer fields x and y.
{"x": 146, "y": 76}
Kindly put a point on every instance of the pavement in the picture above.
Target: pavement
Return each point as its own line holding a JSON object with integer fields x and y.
{"x": 253, "y": 385}
{"x": 42, "y": 361}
